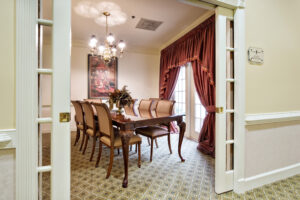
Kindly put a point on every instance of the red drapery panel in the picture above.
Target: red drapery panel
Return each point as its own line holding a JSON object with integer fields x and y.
{"x": 197, "y": 47}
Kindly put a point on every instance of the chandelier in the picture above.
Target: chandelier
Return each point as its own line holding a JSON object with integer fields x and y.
{"x": 108, "y": 50}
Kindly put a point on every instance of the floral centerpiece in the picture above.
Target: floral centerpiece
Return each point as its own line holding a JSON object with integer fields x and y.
{"x": 121, "y": 98}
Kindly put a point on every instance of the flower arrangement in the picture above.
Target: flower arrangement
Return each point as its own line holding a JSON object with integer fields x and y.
{"x": 120, "y": 97}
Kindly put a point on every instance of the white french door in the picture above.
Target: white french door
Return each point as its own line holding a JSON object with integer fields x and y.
{"x": 29, "y": 75}
{"x": 225, "y": 113}
{"x": 188, "y": 102}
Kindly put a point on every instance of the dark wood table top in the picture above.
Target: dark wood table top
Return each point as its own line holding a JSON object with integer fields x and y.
{"x": 130, "y": 122}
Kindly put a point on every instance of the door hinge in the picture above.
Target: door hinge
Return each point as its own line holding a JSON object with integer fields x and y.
{"x": 64, "y": 117}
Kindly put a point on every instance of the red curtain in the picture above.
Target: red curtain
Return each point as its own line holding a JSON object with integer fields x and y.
{"x": 197, "y": 47}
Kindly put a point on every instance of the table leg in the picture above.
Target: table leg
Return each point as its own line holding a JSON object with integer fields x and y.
{"x": 182, "y": 126}
{"x": 125, "y": 137}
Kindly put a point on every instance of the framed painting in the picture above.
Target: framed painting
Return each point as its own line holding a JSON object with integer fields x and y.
{"x": 102, "y": 77}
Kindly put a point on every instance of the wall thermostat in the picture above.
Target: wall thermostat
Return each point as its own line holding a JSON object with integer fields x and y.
{"x": 256, "y": 55}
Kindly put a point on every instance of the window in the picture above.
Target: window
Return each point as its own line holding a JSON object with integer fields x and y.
{"x": 188, "y": 102}
{"x": 200, "y": 113}
{"x": 179, "y": 94}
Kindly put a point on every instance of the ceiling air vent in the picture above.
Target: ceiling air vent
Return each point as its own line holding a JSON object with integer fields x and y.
{"x": 148, "y": 24}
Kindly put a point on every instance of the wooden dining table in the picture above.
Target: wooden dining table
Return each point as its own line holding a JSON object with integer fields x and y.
{"x": 128, "y": 123}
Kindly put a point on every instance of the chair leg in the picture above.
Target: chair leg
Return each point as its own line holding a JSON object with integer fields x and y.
{"x": 151, "y": 152}
{"x": 77, "y": 136}
{"x": 82, "y": 142}
{"x": 169, "y": 143}
{"x": 118, "y": 151}
{"x": 93, "y": 149}
{"x": 99, "y": 154}
{"x": 86, "y": 143}
{"x": 110, "y": 162}
{"x": 148, "y": 141}
{"x": 156, "y": 143}
{"x": 138, "y": 146}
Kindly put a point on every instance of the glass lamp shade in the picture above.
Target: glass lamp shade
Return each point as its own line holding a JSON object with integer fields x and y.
{"x": 93, "y": 42}
{"x": 110, "y": 38}
{"x": 121, "y": 45}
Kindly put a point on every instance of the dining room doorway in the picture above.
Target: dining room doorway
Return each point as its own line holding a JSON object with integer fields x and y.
{"x": 57, "y": 153}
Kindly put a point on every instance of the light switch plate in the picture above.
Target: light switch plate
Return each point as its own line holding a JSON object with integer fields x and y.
{"x": 256, "y": 55}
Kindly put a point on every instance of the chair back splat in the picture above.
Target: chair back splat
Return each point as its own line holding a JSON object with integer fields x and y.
{"x": 104, "y": 119}
{"x": 145, "y": 108}
{"x": 78, "y": 112}
{"x": 164, "y": 108}
{"x": 130, "y": 110}
{"x": 89, "y": 115}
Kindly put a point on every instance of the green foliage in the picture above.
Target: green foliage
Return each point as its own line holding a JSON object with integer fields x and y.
{"x": 121, "y": 97}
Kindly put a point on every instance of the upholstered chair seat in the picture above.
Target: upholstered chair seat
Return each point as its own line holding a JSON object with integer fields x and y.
{"x": 152, "y": 131}
{"x": 118, "y": 142}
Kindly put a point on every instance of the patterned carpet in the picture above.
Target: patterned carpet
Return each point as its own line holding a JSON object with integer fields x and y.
{"x": 165, "y": 178}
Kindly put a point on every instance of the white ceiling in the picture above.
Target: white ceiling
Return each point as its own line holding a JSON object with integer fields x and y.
{"x": 175, "y": 15}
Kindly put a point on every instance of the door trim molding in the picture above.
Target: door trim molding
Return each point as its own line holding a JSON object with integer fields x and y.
{"x": 266, "y": 118}
{"x": 26, "y": 100}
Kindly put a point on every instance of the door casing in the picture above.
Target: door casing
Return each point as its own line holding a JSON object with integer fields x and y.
{"x": 26, "y": 85}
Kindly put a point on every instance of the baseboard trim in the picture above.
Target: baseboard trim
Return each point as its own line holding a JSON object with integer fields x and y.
{"x": 268, "y": 177}
{"x": 8, "y": 138}
{"x": 265, "y": 118}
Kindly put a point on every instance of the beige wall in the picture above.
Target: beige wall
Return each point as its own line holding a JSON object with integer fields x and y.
{"x": 7, "y": 90}
{"x": 274, "y": 86}
{"x": 7, "y": 64}
{"x": 139, "y": 71}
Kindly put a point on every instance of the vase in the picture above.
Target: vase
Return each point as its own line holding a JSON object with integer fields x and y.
{"x": 120, "y": 108}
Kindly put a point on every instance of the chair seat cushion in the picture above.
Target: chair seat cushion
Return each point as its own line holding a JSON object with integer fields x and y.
{"x": 152, "y": 131}
{"x": 80, "y": 126}
{"x": 118, "y": 142}
{"x": 91, "y": 132}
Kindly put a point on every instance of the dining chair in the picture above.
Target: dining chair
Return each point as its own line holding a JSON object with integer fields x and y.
{"x": 154, "y": 103}
{"x": 91, "y": 128}
{"x": 129, "y": 110}
{"x": 145, "y": 111}
{"x": 163, "y": 108}
{"x": 80, "y": 122}
{"x": 110, "y": 137}
{"x": 93, "y": 100}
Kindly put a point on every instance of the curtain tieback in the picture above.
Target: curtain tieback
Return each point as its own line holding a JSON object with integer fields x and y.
{"x": 210, "y": 109}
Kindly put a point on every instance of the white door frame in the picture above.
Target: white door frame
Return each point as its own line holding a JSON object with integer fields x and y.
{"x": 26, "y": 88}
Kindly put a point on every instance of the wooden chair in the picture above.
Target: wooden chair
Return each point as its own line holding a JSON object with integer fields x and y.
{"x": 154, "y": 103}
{"x": 93, "y": 100}
{"x": 163, "y": 108}
{"x": 145, "y": 110}
{"x": 80, "y": 123}
{"x": 110, "y": 137}
{"x": 129, "y": 110}
{"x": 91, "y": 128}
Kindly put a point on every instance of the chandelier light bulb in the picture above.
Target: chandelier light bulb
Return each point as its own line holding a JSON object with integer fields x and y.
{"x": 121, "y": 45}
{"x": 101, "y": 49}
{"x": 114, "y": 51}
{"x": 93, "y": 42}
{"x": 110, "y": 38}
